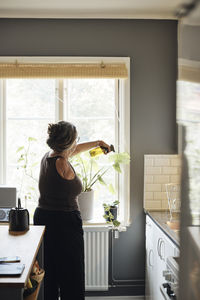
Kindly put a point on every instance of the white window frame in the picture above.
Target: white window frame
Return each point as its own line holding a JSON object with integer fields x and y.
{"x": 123, "y": 140}
{"x": 2, "y": 133}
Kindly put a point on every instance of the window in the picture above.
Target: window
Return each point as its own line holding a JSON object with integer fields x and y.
{"x": 98, "y": 107}
{"x": 30, "y": 104}
{"x": 188, "y": 114}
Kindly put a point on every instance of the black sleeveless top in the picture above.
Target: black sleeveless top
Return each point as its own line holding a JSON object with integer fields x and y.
{"x": 57, "y": 193}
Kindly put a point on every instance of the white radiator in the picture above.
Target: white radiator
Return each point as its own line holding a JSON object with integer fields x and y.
{"x": 96, "y": 258}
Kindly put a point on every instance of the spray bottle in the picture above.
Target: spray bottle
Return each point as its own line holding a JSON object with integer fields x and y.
{"x": 100, "y": 150}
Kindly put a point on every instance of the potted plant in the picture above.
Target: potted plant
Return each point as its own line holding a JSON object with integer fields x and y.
{"x": 92, "y": 170}
{"x": 110, "y": 213}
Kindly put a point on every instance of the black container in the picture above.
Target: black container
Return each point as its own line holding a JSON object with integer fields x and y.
{"x": 113, "y": 211}
{"x": 18, "y": 218}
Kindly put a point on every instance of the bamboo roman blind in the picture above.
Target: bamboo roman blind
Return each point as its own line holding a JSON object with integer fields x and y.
{"x": 63, "y": 70}
{"x": 191, "y": 74}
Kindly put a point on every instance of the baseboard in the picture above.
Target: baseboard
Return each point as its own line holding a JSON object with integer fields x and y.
{"x": 116, "y": 298}
{"x": 136, "y": 289}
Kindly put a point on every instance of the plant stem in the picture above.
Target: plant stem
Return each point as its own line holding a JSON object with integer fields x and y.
{"x": 85, "y": 175}
{"x": 92, "y": 183}
{"x": 91, "y": 165}
{"x": 89, "y": 184}
{"x": 29, "y": 175}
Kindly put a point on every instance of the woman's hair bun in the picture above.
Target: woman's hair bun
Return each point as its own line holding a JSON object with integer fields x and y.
{"x": 61, "y": 135}
{"x": 53, "y": 129}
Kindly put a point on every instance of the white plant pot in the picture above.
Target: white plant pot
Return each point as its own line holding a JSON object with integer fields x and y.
{"x": 86, "y": 203}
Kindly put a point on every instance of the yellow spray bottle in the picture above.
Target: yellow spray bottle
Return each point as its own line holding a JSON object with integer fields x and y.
{"x": 100, "y": 150}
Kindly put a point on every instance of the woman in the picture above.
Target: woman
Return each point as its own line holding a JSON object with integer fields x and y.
{"x": 58, "y": 210}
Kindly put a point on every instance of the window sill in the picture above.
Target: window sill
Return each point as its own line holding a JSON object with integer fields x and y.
{"x": 101, "y": 224}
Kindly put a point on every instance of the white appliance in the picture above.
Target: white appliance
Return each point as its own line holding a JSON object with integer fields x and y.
{"x": 8, "y": 197}
{"x": 169, "y": 288}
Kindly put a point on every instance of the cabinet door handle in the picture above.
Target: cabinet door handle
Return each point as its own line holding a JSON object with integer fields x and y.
{"x": 150, "y": 253}
{"x": 162, "y": 256}
{"x": 158, "y": 247}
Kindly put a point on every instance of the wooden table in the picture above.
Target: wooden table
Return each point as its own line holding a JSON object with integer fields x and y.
{"x": 27, "y": 246}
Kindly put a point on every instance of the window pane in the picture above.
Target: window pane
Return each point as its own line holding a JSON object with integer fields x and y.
{"x": 30, "y": 98}
{"x": 91, "y": 107}
{"x": 91, "y": 98}
{"x": 91, "y": 130}
{"x": 30, "y": 107}
{"x": 18, "y": 132}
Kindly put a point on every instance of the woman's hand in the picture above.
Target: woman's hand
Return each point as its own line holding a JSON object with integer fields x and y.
{"x": 104, "y": 145}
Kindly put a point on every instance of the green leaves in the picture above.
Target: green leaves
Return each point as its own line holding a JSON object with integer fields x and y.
{"x": 116, "y": 223}
{"x": 120, "y": 158}
{"x": 117, "y": 168}
{"x": 34, "y": 164}
{"x": 111, "y": 189}
{"x": 116, "y": 202}
{"x": 91, "y": 170}
{"x": 20, "y": 149}
{"x": 108, "y": 216}
{"x": 101, "y": 180}
{"x": 31, "y": 139}
{"x": 21, "y": 158}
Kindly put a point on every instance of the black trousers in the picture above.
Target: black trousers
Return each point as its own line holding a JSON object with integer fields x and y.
{"x": 63, "y": 254}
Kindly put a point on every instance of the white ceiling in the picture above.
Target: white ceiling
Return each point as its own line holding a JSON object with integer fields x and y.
{"x": 141, "y": 9}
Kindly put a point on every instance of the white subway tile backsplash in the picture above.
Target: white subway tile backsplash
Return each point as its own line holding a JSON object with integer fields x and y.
{"x": 149, "y": 179}
{"x": 159, "y": 170}
{"x": 176, "y": 162}
{"x": 149, "y": 162}
{"x": 153, "y": 187}
{"x": 170, "y": 170}
{"x": 179, "y": 170}
{"x": 164, "y": 205}
{"x": 174, "y": 156}
{"x": 148, "y": 195}
{"x": 149, "y": 156}
{"x": 160, "y": 196}
{"x": 161, "y": 179}
{"x": 161, "y": 162}
{"x": 151, "y": 205}
{"x": 163, "y": 187}
{"x": 175, "y": 178}
{"x": 153, "y": 170}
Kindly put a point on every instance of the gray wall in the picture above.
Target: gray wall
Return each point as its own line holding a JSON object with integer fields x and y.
{"x": 189, "y": 42}
{"x": 152, "y": 46}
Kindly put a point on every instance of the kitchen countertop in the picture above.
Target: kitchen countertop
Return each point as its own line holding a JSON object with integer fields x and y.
{"x": 26, "y": 246}
{"x": 161, "y": 218}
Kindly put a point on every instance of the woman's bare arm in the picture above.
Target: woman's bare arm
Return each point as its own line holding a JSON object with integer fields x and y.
{"x": 89, "y": 145}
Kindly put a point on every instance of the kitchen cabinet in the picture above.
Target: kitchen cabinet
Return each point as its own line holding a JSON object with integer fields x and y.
{"x": 149, "y": 259}
{"x": 158, "y": 248}
{"x": 27, "y": 246}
